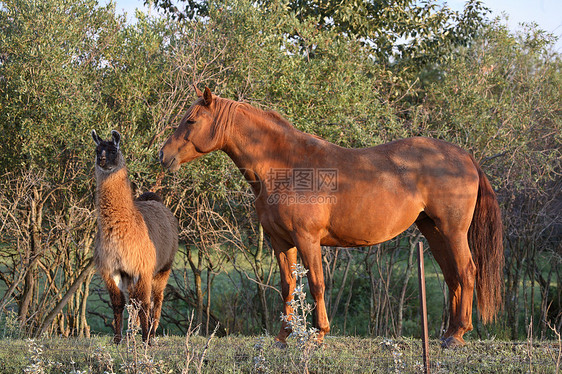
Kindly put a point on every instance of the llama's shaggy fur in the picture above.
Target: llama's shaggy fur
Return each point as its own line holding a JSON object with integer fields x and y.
{"x": 136, "y": 240}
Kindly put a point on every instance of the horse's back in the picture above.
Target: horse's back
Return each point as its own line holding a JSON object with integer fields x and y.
{"x": 423, "y": 162}
{"x": 421, "y": 151}
{"x": 386, "y": 188}
{"x": 444, "y": 176}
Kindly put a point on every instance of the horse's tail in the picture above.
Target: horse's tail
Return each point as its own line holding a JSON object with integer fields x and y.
{"x": 485, "y": 238}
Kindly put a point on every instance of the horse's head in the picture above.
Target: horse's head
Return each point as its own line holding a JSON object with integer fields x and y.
{"x": 196, "y": 134}
{"x": 108, "y": 156}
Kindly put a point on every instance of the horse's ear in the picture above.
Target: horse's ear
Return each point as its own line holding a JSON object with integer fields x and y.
{"x": 208, "y": 96}
{"x": 116, "y": 138}
{"x": 197, "y": 91}
{"x": 96, "y": 138}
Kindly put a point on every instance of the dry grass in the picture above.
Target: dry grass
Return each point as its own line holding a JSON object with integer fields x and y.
{"x": 257, "y": 354}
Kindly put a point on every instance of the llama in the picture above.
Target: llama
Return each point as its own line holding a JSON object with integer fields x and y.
{"x": 136, "y": 240}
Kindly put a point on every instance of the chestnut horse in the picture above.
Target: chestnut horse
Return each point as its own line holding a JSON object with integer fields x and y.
{"x": 310, "y": 193}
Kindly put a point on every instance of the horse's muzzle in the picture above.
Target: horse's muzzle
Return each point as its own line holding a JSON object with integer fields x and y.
{"x": 171, "y": 164}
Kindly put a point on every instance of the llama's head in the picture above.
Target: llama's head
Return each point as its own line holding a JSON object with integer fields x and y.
{"x": 108, "y": 156}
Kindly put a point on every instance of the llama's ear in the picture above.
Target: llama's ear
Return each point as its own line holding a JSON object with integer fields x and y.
{"x": 208, "y": 96}
{"x": 197, "y": 91}
{"x": 116, "y": 138}
{"x": 96, "y": 138}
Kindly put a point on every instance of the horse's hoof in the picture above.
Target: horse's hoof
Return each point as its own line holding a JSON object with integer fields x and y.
{"x": 116, "y": 340}
{"x": 452, "y": 342}
{"x": 279, "y": 344}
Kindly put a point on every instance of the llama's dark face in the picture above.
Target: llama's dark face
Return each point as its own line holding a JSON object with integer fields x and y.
{"x": 108, "y": 156}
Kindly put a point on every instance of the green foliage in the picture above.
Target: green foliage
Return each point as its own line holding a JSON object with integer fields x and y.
{"x": 498, "y": 95}
{"x": 51, "y": 52}
{"x": 68, "y": 68}
{"x": 415, "y": 32}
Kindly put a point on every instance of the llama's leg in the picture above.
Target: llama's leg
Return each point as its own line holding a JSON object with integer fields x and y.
{"x": 158, "y": 285}
{"x": 311, "y": 254}
{"x": 117, "y": 303}
{"x": 286, "y": 259}
{"x": 141, "y": 296}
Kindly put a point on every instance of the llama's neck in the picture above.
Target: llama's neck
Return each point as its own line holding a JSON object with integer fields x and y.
{"x": 114, "y": 193}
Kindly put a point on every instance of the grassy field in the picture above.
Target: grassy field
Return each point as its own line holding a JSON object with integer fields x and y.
{"x": 249, "y": 354}
{"x": 258, "y": 354}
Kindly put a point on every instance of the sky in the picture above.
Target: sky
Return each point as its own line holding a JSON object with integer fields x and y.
{"x": 546, "y": 13}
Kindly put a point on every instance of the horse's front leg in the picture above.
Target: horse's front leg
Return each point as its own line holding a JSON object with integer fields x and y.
{"x": 286, "y": 260}
{"x": 311, "y": 255}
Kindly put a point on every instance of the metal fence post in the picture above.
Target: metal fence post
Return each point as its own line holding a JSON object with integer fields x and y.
{"x": 423, "y": 309}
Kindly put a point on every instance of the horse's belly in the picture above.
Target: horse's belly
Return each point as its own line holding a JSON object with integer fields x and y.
{"x": 371, "y": 225}
{"x": 367, "y": 236}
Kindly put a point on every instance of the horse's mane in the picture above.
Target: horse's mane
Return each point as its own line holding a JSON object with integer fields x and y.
{"x": 277, "y": 118}
{"x": 271, "y": 114}
{"x": 225, "y": 110}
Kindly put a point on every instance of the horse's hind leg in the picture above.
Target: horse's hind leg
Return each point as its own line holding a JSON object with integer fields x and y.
{"x": 451, "y": 251}
{"x": 158, "y": 285}
{"x": 465, "y": 271}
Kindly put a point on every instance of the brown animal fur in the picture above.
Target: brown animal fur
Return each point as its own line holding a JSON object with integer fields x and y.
{"x": 135, "y": 246}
